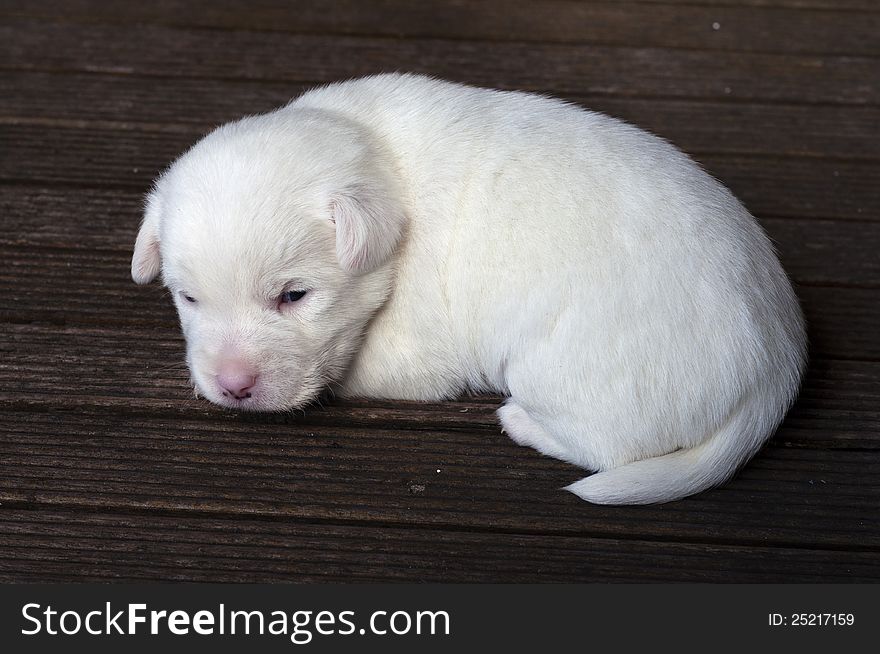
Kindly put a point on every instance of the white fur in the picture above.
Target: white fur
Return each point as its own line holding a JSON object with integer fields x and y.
{"x": 455, "y": 238}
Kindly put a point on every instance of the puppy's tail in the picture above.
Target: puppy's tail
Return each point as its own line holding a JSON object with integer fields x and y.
{"x": 684, "y": 472}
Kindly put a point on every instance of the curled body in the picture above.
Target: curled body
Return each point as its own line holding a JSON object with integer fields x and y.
{"x": 408, "y": 238}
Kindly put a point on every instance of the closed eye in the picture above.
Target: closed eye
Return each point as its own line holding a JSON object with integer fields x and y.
{"x": 288, "y": 297}
{"x": 188, "y": 298}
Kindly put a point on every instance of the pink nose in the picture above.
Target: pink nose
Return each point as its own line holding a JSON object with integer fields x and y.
{"x": 236, "y": 380}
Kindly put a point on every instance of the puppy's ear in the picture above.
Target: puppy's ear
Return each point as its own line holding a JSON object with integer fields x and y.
{"x": 145, "y": 261}
{"x": 369, "y": 224}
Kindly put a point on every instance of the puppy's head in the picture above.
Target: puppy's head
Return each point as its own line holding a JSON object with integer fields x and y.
{"x": 275, "y": 236}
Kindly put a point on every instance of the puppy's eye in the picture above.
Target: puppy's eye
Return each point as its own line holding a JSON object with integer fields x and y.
{"x": 188, "y": 298}
{"x": 288, "y": 297}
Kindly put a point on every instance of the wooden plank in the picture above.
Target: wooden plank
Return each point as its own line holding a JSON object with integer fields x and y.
{"x": 797, "y": 187}
{"x": 194, "y": 106}
{"x": 569, "y": 69}
{"x": 111, "y": 470}
{"x": 720, "y": 27}
{"x": 74, "y": 547}
{"x": 142, "y": 372}
{"x": 838, "y": 406}
{"x": 143, "y": 376}
{"x": 151, "y": 105}
{"x": 841, "y": 321}
{"x": 814, "y": 252}
{"x": 222, "y": 467}
{"x": 139, "y": 374}
{"x": 827, "y": 252}
{"x": 96, "y": 219}
{"x": 835, "y": 5}
{"x": 150, "y": 365}
{"x": 823, "y": 417}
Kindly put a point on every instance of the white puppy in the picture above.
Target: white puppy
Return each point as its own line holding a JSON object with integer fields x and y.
{"x": 403, "y": 237}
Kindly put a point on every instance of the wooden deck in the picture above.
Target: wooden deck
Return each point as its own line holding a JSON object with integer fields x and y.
{"x": 110, "y": 470}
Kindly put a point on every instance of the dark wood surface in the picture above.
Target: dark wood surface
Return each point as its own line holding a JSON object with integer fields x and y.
{"x": 111, "y": 470}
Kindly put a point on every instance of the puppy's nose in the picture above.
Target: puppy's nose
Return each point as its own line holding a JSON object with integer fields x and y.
{"x": 236, "y": 380}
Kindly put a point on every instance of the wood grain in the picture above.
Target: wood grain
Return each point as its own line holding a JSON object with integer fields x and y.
{"x": 194, "y": 106}
{"x": 836, "y": 5}
{"x": 768, "y": 185}
{"x": 842, "y": 321}
{"x": 150, "y": 50}
{"x": 220, "y": 466}
{"x": 669, "y": 25}
{"x": 74, "y": 546}
{"x": 105, "y": 221}
{"x": 112, "y": 470}
{"x": 59, "y": 367}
